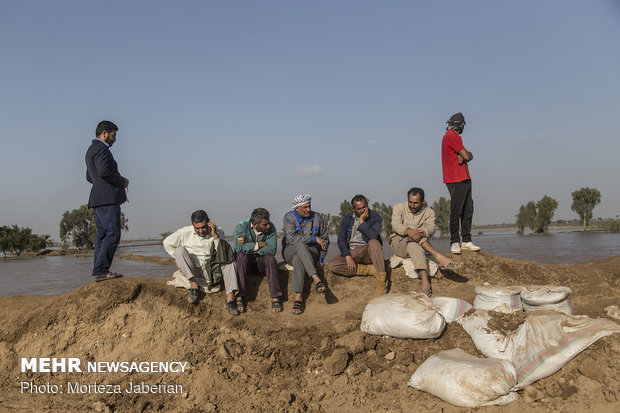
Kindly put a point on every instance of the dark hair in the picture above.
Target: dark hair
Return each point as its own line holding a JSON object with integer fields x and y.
{"x": 358, "y": 198}
{"x": 199, "y": 216}
{"x": 258, "y": 215}
{"x": 415, "y": 191}
{"x": 105, "y": 126}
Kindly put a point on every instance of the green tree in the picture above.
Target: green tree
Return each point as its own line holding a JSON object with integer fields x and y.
{"x": 545, "y": 209}
{"x": 79, "y": 224}
{"x": 442, "y": 216}
{"x": 4, "y": 239}
{"x": 526, "y": 217}
{"x": 386, "y": 215}
{"x": 39, "y": 242}
{"x": 19, "y": 239}
{"x": 584, "y": 201}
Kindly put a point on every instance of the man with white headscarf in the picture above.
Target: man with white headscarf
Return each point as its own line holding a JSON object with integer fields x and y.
{"x": 304, "y": 245}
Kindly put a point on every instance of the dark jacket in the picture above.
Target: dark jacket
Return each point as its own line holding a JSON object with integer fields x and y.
{"x": 370, "y": 229}
{"x": 102, "y": 171}
{"x": 224, "y": 254}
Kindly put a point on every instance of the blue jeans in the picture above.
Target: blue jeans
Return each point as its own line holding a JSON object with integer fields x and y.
{"x": 108, "y": 220}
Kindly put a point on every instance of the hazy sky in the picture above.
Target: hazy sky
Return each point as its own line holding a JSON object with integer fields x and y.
{"x": 230, "y": 105}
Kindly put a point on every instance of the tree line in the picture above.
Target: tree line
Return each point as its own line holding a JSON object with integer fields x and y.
{"x": 79, "y": 224}
{"x": 538, "y": 215}
{"x": 15, "y": 239}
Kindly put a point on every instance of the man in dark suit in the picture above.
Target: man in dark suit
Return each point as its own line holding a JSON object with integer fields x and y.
{"x": 106, "y": 197}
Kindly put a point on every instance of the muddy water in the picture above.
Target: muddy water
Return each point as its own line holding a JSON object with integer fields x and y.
{"x": 56, "y": 275}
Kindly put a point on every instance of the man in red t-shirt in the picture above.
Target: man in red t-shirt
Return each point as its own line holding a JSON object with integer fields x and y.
{"x": 454, "y": 160}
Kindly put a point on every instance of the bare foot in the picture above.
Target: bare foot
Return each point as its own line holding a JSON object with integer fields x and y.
{"x": 427, "y": 290}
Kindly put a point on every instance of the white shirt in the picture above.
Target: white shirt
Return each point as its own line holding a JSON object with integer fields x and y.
{"x": 199, "y": 248}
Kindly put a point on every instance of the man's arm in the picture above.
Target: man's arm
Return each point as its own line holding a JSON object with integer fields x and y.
{"x": 398, "y": 225}
{"x": 271, "y": 241}
{"x": 172, "y": 241}
{"x": 372, "y": 227}
{"x": 106, "y": 169}
{"x": 248, "y": 245}
{"x": 342, "y": 237}
{"x": 324, "y": 235}
{"x": 428, "y": 225}
{"x": 464, "y": 156}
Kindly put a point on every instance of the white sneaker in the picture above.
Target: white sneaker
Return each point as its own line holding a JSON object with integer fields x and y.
{"x": 455, "y": 248}
{"x": 470, "y": 246}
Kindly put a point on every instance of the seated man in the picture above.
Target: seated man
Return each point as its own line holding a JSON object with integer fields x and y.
{"x": 413, "y": 224}
{"x": 304, "y": 244}
{"x": 200, "y": 251}
{"x": 255, "y": 245}
{"x": 359, "y": 241}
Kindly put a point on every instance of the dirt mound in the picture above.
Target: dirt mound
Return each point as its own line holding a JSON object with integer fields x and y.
{"x": 318, "y": 361}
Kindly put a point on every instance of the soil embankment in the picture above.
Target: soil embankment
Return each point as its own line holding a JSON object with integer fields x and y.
{"x": 261, "y": 361}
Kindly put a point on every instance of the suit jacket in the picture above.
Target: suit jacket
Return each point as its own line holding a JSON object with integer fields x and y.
{"x": 102, "y": 171}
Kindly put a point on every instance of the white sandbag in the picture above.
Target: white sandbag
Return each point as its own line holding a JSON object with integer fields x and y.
{"x": 498, "y": 298}
{"x": 451, "y": 308}
{"x": 410, "y": 271}
{"x": 465, "y": 380}
{"x": 491, "y": 343}
{"x": 551, "y": 339}
{"x": 404, "y": 315}
{"x": 541, "y": 345}
{"x": 547, "y": 297}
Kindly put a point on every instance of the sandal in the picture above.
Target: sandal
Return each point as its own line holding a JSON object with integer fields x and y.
{"x": 232, "y": 307}
{"x": 298, "y": 307}
{"x": 240, "y": 305}
{"x": 276, "y": 306}
{"x": 452, "y": 265}
{"x": 105, "y": 277}
{"x": 428, "y": 293}
{"x": 321, "y": 287}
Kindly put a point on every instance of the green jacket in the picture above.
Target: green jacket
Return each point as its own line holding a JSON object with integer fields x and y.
{"x": 224, "y": 254}
{"x": 244, "y": 229}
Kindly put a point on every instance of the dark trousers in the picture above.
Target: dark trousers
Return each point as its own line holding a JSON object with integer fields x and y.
{"x": 266, "y": 264}
{"x": 108, "y": 220}
{"x": 461, "y": 210}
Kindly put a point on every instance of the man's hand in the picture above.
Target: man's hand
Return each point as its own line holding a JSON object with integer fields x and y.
{"x": 211, "y": 225}
{"x": 126, "y": 182}
{"x": 351, "y": 264}
{"x": 241, "y": 240}
{"x": 262, "y": 244}
{"x": 364, "y": 216}
{"x": 322, "y": 243}
{"x": 459, "y": 159}
{"x": 415, "y": 234}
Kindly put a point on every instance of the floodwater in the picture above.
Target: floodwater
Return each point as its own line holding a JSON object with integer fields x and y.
{"x": 57, "y": 275}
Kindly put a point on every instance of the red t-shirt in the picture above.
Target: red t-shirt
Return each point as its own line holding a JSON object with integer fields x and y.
{"x": 451, "y": 145}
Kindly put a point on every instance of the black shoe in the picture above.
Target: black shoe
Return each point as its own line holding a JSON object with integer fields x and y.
{"x": 231, "y": 306}
{"x": 192, "y": 296}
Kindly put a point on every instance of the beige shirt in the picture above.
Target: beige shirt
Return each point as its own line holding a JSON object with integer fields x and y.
{"x": 199, "y": 248}
{"x": 403, "y": 218}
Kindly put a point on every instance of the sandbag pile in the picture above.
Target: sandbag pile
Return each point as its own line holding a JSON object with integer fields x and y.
{"x": 527, "y": 333}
